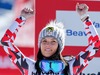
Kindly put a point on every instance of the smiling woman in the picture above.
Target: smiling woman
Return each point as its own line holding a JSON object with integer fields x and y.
{"x": 49, "y": 46}
{"x": 51, "y": 42}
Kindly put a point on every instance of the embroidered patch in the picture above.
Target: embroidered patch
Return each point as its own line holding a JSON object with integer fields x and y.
{"x": 49, "y": 30}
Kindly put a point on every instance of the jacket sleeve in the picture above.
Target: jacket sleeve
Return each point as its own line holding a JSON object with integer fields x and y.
{"x": 84, "y": 57}
{"x": 13, "y": 52}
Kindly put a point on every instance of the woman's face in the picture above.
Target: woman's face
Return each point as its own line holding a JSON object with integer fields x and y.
{"x": 49, "y": 46}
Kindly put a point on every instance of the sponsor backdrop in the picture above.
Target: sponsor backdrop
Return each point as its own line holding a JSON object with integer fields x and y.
{"x": 46, "y": 10}
{"x": 76, "y": 40}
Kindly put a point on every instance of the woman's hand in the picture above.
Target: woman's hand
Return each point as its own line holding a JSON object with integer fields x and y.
{"x": 27, "y": 13}
{"x": 81, "y": 9}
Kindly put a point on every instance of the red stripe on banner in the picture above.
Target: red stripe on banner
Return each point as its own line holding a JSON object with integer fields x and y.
{"x": 74, "y": 50}
{"x": 8, "y": 71}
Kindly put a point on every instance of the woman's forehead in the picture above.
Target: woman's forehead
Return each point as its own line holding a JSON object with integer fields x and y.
{"x": 49, "y": 38}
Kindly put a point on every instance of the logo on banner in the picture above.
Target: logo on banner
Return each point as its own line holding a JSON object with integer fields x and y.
{"x": 74, "y": 27}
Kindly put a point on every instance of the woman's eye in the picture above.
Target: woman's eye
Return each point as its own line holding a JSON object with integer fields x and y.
{"x": 53, "y": 42}
{"x": 44, "y": 41}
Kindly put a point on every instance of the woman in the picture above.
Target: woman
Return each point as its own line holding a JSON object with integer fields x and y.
{"x": 50, "y": 44}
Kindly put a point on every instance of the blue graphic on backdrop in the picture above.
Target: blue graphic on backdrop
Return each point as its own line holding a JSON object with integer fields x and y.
{"x": 6, "y": 4}
{"x": 70, "y": 32}
{"x": 96, "y": 24}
